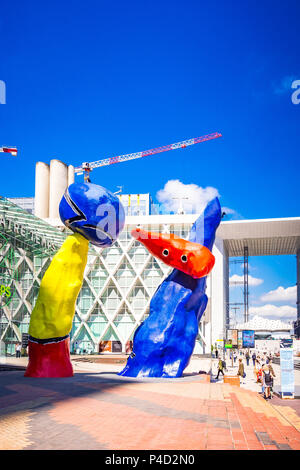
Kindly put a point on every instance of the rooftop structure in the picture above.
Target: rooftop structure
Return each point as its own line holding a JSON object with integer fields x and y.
{"x": 264, "y": 324}
{"x": 26, "y": 203}
{"x": 262, "y": 236}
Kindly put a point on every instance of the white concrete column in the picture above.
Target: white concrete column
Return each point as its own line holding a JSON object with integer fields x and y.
{"x": 71, "y": 174}
{"x": 58, "y": 185}
{"x": 219, "y": 291}
{"x": 41, "y": 199}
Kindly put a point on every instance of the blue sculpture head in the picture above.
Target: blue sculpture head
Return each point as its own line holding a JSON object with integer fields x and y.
{"x": 94, "y": 212}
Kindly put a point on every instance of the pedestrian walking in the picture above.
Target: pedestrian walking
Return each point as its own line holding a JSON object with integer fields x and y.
{"x": 254, "y": 359}
{"x": 247, "y": 356}
{"x": 221, "y": 367}
{"x": 234, "y": 356}
{"x": 267, "y": 381}
{"x": 273, "y": 376}
{"x": 241, "y": 370}
{"x": 18, "y": 350}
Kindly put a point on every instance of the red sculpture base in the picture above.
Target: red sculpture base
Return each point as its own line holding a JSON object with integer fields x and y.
{"x": 49, "y": 359}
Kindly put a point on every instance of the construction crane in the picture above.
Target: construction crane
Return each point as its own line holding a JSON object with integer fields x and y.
{"x": 86, "y": 167}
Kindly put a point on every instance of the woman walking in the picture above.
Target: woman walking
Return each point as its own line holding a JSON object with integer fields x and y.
{"x": 267, "y": 381}
{"x": 241, "y": 371}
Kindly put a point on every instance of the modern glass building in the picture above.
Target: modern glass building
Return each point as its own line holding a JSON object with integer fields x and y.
{"x": 117, "y": 288}
{"x": 26, "y": 247}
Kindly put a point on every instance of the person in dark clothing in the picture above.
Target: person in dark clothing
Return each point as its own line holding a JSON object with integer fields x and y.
{"x": 254, "y": 359}
{"x": 247, "y": 356}
{"x": 220, "y": 368}
{"x": 267, "y": 381}
{"x": 241, "y": 371}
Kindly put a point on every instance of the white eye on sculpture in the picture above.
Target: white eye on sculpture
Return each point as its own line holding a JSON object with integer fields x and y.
{"x": 184, "y": 258}
{"x": 165, "y": 252}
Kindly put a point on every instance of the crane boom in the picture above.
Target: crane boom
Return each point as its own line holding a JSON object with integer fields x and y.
{"x": 87, "y": 167}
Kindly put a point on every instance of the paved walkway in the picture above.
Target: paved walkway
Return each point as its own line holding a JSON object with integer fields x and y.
{"x": 96, "y": 409}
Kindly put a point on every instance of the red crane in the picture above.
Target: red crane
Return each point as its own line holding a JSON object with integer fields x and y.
{"x": 88, "y": 167}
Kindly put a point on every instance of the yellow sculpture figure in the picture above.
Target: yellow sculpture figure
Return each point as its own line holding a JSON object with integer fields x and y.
{"x": 52, "y": 316}
{"x": 97, "y": 216}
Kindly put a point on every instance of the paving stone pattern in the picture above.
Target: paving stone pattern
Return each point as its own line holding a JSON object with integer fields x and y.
{"x": 89, "y": 411}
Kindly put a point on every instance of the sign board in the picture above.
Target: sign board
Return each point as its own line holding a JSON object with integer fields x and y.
{"x": 116, "y": 346}
{"x": 9, "y": 224}
{"x": 240, "y": 339}
{"x": 232, "y": 335}
{"x": 105, "y": 346}
{"x": 286, "y": 343}
{"x": 287, "y": 371}
{"x": 248, "y": 339}
{"x": 25, "y": 337}
{"x": 228, "y": 344}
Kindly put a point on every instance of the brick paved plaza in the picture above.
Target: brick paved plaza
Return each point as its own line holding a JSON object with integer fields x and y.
{"x": 98, "y": 410}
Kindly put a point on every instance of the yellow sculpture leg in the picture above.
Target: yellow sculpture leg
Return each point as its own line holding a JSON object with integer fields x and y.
{"x": 55, "y": 306}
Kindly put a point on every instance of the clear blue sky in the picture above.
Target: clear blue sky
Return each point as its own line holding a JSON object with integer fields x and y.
{"x": 86, "y": 80}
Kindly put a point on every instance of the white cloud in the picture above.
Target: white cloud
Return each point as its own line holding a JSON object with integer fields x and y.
{"x": 252, "y": 281}
{"x": 284, "y": 312}
{"x": 280, "y": 295}
{"x": 190, "y": 197}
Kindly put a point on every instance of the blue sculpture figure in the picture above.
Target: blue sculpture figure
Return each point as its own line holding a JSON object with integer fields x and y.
{"x": 164, "y": 342}
{"x": 94, "y": 212}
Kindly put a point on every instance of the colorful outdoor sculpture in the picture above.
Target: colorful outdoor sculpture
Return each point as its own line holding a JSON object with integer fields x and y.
{"x": 96, "y": 215}
{"x": 191, "y": 258}
{"x": 164, "y": 342}
{"x": 94, "y": 212}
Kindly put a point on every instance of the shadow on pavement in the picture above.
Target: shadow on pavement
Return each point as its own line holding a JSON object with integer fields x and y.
{"x": 19, "y": 393}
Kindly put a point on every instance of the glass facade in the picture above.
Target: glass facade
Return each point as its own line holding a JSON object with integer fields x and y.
{"x": 116, "y": 292}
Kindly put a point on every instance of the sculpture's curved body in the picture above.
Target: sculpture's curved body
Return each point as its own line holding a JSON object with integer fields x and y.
{"x": 51, "y": 318}
{"x": 164, "y": 342}
{"x": 95, "y": 215}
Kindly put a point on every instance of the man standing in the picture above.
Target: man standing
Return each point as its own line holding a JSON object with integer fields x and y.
{"x": 254, "y": 358}
{"x": 18, "y": 350}
{"x": 247, "y": 356}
